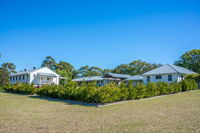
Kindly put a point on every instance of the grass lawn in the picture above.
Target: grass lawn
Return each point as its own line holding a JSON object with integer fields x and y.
{"x": 174, "y": 113}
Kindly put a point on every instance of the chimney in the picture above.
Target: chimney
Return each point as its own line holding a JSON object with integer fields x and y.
{"x": 25, "y": 70}
{"x": 33, "y": 67}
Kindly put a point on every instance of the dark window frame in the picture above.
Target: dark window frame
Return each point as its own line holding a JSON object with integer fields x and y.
{"x": 169, "y": 77}
{"x": 158, "y": 76}
{"x": 148, "y": 78}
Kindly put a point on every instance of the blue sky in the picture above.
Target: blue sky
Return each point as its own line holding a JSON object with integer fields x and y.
{"x": 103, "y": 33}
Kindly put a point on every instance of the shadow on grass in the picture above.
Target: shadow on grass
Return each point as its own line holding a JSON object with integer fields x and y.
{"x": 70, "y": 102}
{"x": 17, "y": 93}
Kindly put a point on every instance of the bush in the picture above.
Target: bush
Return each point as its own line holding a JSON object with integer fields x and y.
{"x": 188, "y": 84}
{"x": 176, "y": 87}
{"x": 108, "y": 93}
{"x": 140, "y": 91}
{"x": 152, "y": 89}
{"x": 163, "y": 88}
{"x": 20, "y": 87}
{"x": 124, "y": 91}
{"x": 91, "y": 93}
{"x": 131, "y": 91}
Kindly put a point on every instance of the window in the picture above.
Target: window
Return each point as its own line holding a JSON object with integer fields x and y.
{"x": 19, "y": 77}
{"x": 33, "y": 75}
{"x": 148, "y": 78}
{"x": 48, "y": 78}
{"x": 169, "y": 77}
{"x": 16, "y": 77}
{"x": 23, "y": 77}
{"x": 13, "y": 77}
{"x": 158, "y": 77}
{"x": 10, "y": 78}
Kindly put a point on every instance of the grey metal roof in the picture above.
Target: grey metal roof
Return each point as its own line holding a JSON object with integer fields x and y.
{"x": 93, "y": 78}
{"x": 27, "y": 71}
{"x": 116, "y": 75}
{"x": 47, "y": 74}
{"x": 169, "y": 69}
{"x": 135, "y": 77}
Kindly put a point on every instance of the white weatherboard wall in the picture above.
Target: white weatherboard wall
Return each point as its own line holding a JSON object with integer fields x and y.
{"x": 25, "y": 80}
{"x": 35, "y": 79}
{"x": 175, "y": 77}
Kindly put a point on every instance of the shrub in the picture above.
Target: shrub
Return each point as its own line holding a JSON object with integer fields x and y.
{"x": 152, "y": 89}
{"x": 163, "y": 87}
{"x": 124, "y": 92}
{"x": 131, "y": 91}
{"x": 20, "y": 87}
{"x": 140, "y": 91}
{"x": 108, "y": 93}
{"x": 176, "y": 87}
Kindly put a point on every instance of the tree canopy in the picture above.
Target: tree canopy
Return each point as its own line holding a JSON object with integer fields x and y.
{"x": 5, "y": 70}
{"x": 86, "y": 71}
{"x": 49, "y": 62}
{"x": 136, "y": 67}
{"x": 190, "y": 60}
{"x": 65, "y": 69}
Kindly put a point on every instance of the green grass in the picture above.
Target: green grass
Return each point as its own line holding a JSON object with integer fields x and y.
{"x": 173, "y": 113}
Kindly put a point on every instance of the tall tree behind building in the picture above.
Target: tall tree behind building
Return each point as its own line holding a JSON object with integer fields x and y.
{"x": 190, "y": 60}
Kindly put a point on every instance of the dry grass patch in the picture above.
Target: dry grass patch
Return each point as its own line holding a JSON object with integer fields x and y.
{"x": 174, "y": 113}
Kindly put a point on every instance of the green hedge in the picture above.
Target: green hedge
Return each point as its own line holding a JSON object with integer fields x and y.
{"x": 22, "y": 88}
{"x": 91, "y": 93}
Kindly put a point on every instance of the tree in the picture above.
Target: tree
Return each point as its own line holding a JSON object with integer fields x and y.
{"x": 123, "y": 69}
{"x": 65, "y": 69}
{"x": 136, "y": 67}
{"x": 10, "y": 67}
{"x": 5, "y": 70}
{"x": 190, "y": 60}
{"x": 86, "y": 71}
{"x": 140, "y": 67}
{"x": 49, "y": 62}
{"x": 106, "y": 71}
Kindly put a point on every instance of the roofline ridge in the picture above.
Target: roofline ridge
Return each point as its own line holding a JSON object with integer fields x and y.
{"x": 173, "y": 68}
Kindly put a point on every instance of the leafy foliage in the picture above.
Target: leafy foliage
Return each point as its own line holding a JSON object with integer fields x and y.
{"x": 86, "y": 71}
{"x": 135, "y": 67}
{"x": 91, "y": 93}
{"x": 49, "y": 62}
{"x": 190, "y": 60}
{"x": 5, "y": 70}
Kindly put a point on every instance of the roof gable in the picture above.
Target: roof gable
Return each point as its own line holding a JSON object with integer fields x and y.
{"x": 169, "y": 69}
{"x": 116, "y": 75}
{"x": 32, "y": 70}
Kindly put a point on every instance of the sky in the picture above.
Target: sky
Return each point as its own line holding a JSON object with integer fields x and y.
{"x": 103, "y": 33}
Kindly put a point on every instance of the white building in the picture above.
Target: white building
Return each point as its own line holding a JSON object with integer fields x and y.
{"x": 39, "y": 76}
{"x": 167, "y": 73}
